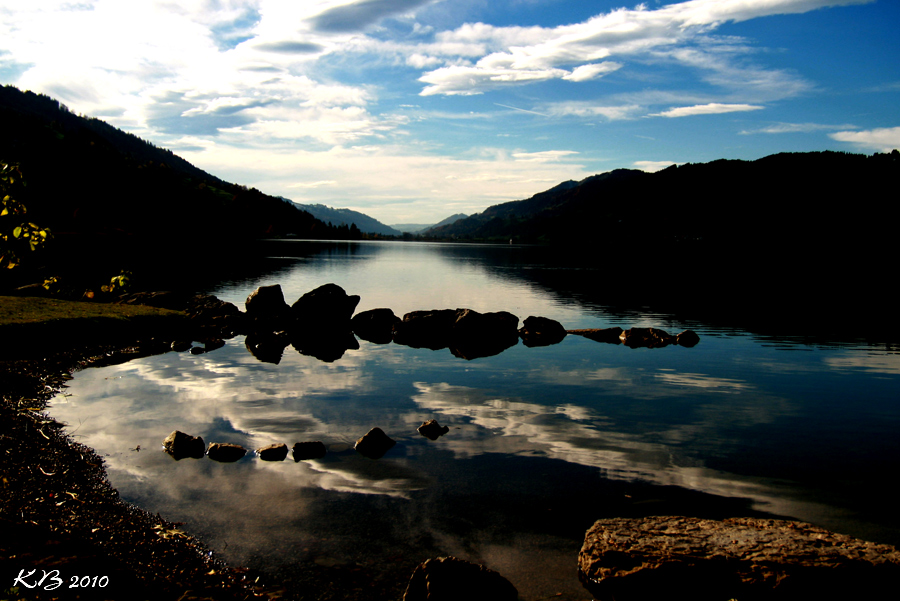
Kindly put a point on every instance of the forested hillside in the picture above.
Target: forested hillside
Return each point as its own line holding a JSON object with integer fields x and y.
{"x": 85, "y": 176}
{"x": 817, "y": 201}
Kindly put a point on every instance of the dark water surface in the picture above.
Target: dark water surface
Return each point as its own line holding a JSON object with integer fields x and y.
{"x": 542, "y": 441}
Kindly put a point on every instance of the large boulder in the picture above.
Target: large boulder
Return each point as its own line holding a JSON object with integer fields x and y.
{"x": 475, "y": 335}
{"x": 426, "y": 329}
{"x": 541, "y": 331}
{"x": 738, "y": 558}
{"x": 326, "y": 308}
{"x": 452, "y": 579}
{"x": 374, "y": 444}
{"x": 267, "y": 302}
{"x": 180, "y": 445}
{"x": 375, "y": 325}
{"x": 468, "y": 333}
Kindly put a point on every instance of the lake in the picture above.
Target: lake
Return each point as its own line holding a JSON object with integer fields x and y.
{"x": 541, "y": 443}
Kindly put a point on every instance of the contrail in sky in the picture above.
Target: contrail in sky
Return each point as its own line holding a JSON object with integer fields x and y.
{"x": 522, "y": 110}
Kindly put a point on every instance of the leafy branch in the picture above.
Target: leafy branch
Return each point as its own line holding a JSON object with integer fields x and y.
{"x": 16, "y": 234}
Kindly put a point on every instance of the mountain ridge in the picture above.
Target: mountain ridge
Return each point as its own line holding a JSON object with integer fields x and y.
{"x": 723, "y": 203}
{"x": 86, "y": 176}
{"x": 365, "y": 223}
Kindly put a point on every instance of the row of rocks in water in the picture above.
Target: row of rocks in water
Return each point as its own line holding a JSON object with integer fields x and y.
{"x": 322, "y": 323}
{"x": 374, "y": 444}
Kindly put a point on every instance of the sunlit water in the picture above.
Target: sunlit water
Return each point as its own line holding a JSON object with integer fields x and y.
{"x": 542, "y": 441}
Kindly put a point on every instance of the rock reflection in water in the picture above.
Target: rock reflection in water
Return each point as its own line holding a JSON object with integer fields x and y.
{"x": 541, "y": 442}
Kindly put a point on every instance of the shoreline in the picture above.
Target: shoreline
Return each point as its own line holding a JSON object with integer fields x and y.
{"x": 59, "y": 514}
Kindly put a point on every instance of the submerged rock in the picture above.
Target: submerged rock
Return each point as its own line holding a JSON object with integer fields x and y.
{"x": 541, "y": 331}
{"x": 687, "y": 338}
{"x": 646, "y": 338}
{"x": 374, "y": 444}
{"x": 273, "y": 452}
{"x": 308, "y": 450}
{"x": 225, "y": 452}
{"x": 608, "y": 335}
{"x": 432, "y": 430}
{"x": 738, "y": 558}
{"x": 452, "y": 579}
{"x": 180, "y": 445}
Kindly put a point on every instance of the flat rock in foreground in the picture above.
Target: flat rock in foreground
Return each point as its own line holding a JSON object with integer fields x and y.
{"x": 737, "y": 558}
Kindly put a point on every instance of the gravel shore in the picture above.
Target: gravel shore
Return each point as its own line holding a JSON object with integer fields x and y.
{"x": 60, "y": 519}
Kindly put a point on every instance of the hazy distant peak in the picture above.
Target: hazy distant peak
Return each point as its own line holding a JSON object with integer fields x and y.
{"x": 365, "y": 223}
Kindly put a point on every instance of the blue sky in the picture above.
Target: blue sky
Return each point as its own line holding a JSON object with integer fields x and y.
{"x": 411, "y": 110}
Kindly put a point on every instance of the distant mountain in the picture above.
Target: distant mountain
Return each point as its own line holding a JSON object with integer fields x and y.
{"x": 411, "y": 228}
{"x": 363, "y": 222}
{"x": 447, "y": 221}
{"x": 811, "y": 201}
{"x": 415, "y": 228}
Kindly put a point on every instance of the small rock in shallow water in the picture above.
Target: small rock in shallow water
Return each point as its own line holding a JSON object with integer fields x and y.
{"x": 374, "y": 444}
{"x": 273, "y": 452}
{"x": 308, "y": 450}
{"x": 180, "y": 445}
{"x": 452, "y": 579}
{"x": 541, "y": 331}
{"x": 432, "y": 430}
{"x": 225, "y": 452}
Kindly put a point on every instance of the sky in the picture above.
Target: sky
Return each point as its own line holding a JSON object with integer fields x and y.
{"x": 413, "y": 110}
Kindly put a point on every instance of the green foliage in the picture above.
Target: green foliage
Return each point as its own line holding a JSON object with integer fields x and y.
{"x": 84, "y": 290}
{"x": 118, "y": 284}
{"x": 16, "y": 235}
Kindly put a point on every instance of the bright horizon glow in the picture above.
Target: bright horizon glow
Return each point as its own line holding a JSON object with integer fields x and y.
{"x": 412, "y": 110}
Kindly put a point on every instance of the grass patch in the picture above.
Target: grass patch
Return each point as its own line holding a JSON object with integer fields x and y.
{"x": 19, "y": 310}
{"x": 30, "y": 325}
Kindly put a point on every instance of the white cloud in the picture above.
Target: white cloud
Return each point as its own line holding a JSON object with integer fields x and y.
{"x": 516, "y": 55}
{"x": 592, "y": 71}
{"x": 791, "y": 128}
{"x": 587, "y": 109}
{"x": 358, "y": 15}
{"x": 467, "y": 81}
{"x": 883, "y": 139}
{"x": 240, "y": 86}
{"x": 543, "y": 156}
{"x": 713, "y": 108}
{"x": 653, "y": 166}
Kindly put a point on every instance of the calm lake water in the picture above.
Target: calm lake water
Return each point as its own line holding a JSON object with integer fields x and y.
{"x": 542, "y": 441}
